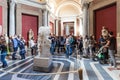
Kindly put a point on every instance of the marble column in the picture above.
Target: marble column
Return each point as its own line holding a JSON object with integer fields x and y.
{"x": 80, "y": 26}
{"x": 56, "y": 25}
{"x": 48, "y": 18}
{"x": 45, "y": 17}
{"x": 75, "y": 27}
{"x": 85, "y": 19}
{"x": 62, "y": 28}
{"x": 12, "y": 18}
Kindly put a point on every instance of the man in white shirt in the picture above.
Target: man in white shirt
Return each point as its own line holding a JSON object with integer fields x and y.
{"x": 32, "y": 46}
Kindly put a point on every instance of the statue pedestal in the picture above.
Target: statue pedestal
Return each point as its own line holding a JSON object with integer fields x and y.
{"x": 43, "y": 64}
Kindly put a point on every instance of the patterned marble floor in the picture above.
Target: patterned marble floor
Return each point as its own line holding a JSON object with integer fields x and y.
{"x": 91, "y": 70}
{"x": 60, "y": 64}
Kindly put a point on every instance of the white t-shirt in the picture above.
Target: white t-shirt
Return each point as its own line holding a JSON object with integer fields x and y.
{"x": 31, "y": 43}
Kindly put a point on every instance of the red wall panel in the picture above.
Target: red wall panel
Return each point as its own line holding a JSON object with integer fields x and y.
{"x": 51, "y": 27}
{"x": 0, "y": 15}
{"x": 29, "y": 22}
{"x": 0, "y": 20}
{"x": 105, "y": 17}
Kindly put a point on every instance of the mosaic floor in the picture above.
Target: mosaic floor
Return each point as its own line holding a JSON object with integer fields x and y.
{"x": 92, "y": 70}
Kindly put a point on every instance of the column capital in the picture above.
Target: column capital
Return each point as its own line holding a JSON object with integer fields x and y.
{"x": 45, "y": 9}
{"x": 12, "y": 1}
{"x": 85, "y": 6}
{"x": 86, "y": 3}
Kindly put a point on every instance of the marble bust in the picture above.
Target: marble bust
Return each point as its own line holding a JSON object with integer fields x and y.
{"x": 104, "y": 32}
{"x": 30, "y": 34}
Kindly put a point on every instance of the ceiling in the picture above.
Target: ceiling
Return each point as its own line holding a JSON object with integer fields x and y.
{"x": 64, "y": 8}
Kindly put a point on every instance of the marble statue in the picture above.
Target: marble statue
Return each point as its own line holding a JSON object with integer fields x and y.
{"x": 30, "y": 34}
{"x": 104, "y": 32}
{"x": 43, "y": 61}
{"x": 43, "y": 41}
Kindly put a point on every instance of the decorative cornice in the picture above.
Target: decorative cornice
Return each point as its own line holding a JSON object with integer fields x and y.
{"x": 32, "y": 3}
{"x": 41, "y": 3}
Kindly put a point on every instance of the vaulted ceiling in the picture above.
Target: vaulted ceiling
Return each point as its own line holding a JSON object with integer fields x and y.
{"x": 63, "y": 8}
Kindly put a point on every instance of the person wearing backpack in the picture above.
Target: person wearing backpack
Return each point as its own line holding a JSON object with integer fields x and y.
{"x": 22, "y": 52}
{"x": 15, "y": 47}
{"x": 71, "y": 41}
{"x": 3, "y": 48}
{"x": 53, "y": 43}
{"x": 111, "y": 45}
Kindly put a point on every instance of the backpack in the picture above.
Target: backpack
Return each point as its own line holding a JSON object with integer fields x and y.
{"x": 71, "y": 40}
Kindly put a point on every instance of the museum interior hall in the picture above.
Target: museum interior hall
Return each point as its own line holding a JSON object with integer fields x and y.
{"x": 59, "y": 39}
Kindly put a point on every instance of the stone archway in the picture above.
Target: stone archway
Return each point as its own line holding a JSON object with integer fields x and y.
{"x": 69, "y": 11}
{"x": 64, "y": 3}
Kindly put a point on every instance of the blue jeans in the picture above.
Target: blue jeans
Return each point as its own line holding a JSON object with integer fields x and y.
{"x": 112, "y": 57}
{"x": 68, "y": 50}
{"x": 52, "y": 48}
{"x": 14, "y": 53}
{"x": 91, "y": 51}
{"x": 3, "y": 55}
{"x": 22, "y": 53}
{"x": 71, "y": 49}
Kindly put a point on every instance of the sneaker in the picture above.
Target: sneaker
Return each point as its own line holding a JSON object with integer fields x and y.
{"x": 111, "y": 64}
{"x": 14, "y": 58}
{"x": 4, "y": 66}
